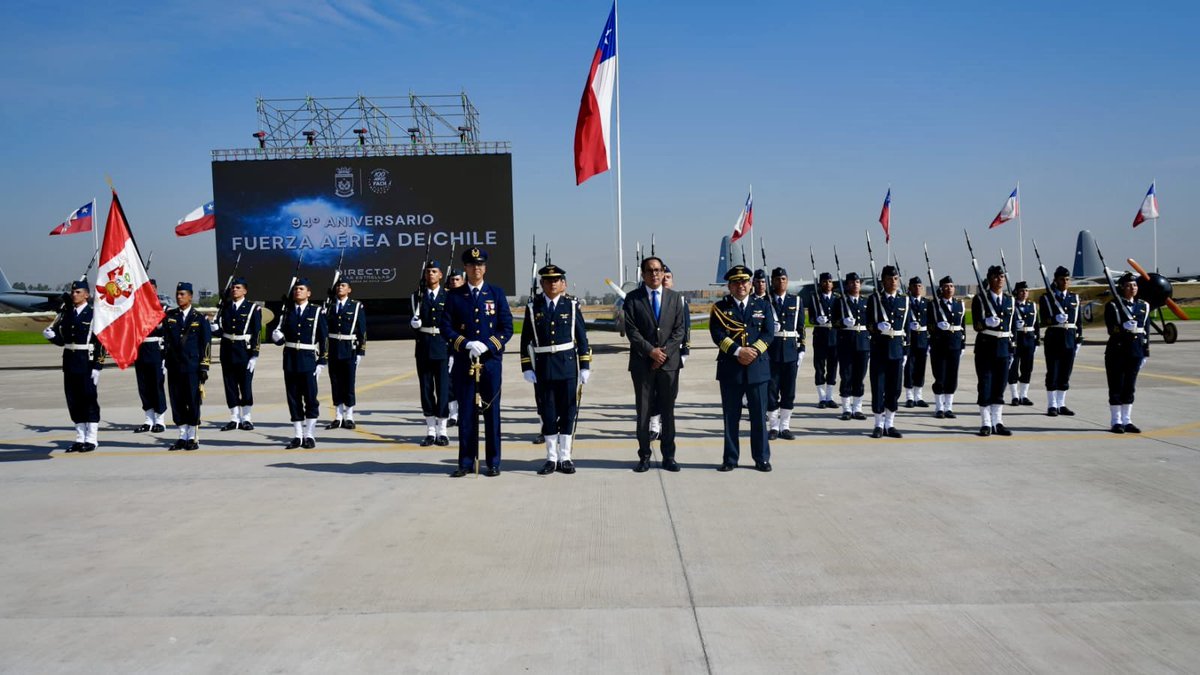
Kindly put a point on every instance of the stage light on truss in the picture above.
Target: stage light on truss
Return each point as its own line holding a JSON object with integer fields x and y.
{"x": 262, "y": 139}
{"x": 414, "y": 133}
{"x": 311, "y": 136}
{"x": 362, "y": 136}
{"x": 464, "y": 133}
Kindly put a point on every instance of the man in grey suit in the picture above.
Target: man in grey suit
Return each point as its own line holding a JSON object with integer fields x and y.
{"x": 655, "y": 325}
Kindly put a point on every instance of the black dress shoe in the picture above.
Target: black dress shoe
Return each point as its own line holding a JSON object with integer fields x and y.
{"x": 309, "y": 443}
{"x": 772, "y": 435}
{"x": 246, "y": 426}
{"x": 442, "y": 441}
{"x": 786, "y": 434}
{"x": 427, "y": 441}
{"x": 950, "y": 415}
{"x": 1118, "y": 428}
{"x": 893, "y": 432}
{"x": 1002, "y": 430}
{"x": 74, "y": 447}
{"x": 192, "y": 445}
{"x": 654, "y": 435}
{"x": 492, "y": 472}
{"x": 230, "y": 426}
{"x": 1026, "y": 401}
{"x": 451, "y": 422}
{"x": 922, "y": 404}
{"x": 910, "y": 403}
{"x": 844, "y": 416}
{"x": 643, "y": 465}
{"x": 349, "y": 424}
{"x": 1015, "y": 401}
{"x": 87, "y": 447}
{"x": 539, "y": 439}
{"x": 859, "y": 416}
{"x": 157, "y": 429}
{"x": 459, "y": 473}
{"x": 567, "y": 466}
{"x": 178, "y": 445}
{"x": 547, "y": 469}
{"x": 1064, "y": 410}
{"x": 1132, "y": 428}
{"x": 939, "y": 414}
{"x": 293, "y": 444}
{"x": 765, "y": 467}
{"x": 985, "y": 431}
{"x": 726, "y": 467}
{"x": 336, "y": 424}
{"x": 670, "y": 464}
{"x": 1051, "y": 412}
{"x": 877, "y": 432}
{"x": 142, "y": 429}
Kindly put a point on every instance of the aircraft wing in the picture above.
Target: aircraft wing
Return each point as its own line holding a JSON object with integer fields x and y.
{"x": 26, "y": 321}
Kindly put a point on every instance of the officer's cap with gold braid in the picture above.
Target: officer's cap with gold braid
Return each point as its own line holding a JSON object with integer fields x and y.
{"x": 552, "y": 271}
{"x": 474, "y": 256}
{"x": 738, "y": 273}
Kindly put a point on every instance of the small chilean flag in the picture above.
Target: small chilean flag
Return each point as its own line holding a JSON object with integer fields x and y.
{"x": 80, "y": 220}
{"x": 592, "y": 127}
{"x": 1149, "y": 208}
{"x": 1010, "y": 210}
{"x": 745, "y": 218}
{"x": 885, "y": 217}
{"x": 199, "y": 220}
{"x": 126, "y": 308}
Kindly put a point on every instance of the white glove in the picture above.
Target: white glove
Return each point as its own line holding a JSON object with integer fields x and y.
{"x": 883, "y": 326}
{"x": 992, "y": 322}
{"x": 276, "y": 335}
{"x": 216, "y": 326}
{"x": 943, "y": 325}
{"x": 477, "y": 348}
{"x": 251, "y": 363}
{"x": 357, "y": 360}
{"x": 913, "y": 325}
{"x": 530, "y": 376}
{"x": 416, "y": 322}
{"x": 778, "y": 327}
{"x": 450, "y": 364}
{"x": 49, "y": 333}
{"x": 1060, "y": 318}
{"x": 682, "y": 359}
{"x": 320, "y": 369}
{"x": 95, "y": 378}
{"x": 585, "y": 375}
{"x": 822, "y": 319}
{"x": 1020, "y": 324}
{"x": 848, "y": 322}
{"x": 164, "y": 367}
{"x": 1129, "y": 325}
{"x": 1143, "y": 363}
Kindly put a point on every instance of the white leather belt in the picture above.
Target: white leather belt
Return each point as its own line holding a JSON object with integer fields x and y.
{"x": 339, "y": 336}
{"x": 892, "y": 333}
{"x": 788, "y": 334}
{"x": 1062, "y": 325}
{"x": 954, "y": 329}
{"x": 1026, "y": 329}
{"x": 920, "y": 329}
{"x": 238, "y": 338}
{"x": 77, "y": 347}
{"x": 152, "y": 339}
{"x": 1136, "y": 331}
{"x": 997, "y": 333}
{"x": 822, "y": 325}
{"x": 855, "y": 327}
{"x": 551, "y": 349}
{"x": 301, "y": 345}
{"x": 429, "y": 331}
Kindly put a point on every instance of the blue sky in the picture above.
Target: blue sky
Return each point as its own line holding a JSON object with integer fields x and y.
{"x": 820, "y": 107}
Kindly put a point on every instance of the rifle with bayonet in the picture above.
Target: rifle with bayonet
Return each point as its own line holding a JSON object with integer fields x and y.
{"x": 937, "y": 299}
{"x": 1004, "y": 266}
{"x": 984, "y": 291}
{"x": 288, "y": 296}
{"x": 228, "y": 289}
{"x": 837, "y": 267}
{"x": 416, "y": 298}
{"x": 820, "y": 309}
{"x": 875, "y": 278}
{"x": 331, "y": 294}
{"x": 1042, "y": 268}
{"x": 65, "y": 302}
{"x": 1112, "y": 288}
{"x": 762, "y": 249}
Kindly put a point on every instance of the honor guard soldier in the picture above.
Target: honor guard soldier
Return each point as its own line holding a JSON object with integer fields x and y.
{"x": 824, "y": 339}
{"x": 150, "y": 367}
{"x": 785, "y": 356}
{"x": 454, "y": 279}
{"x": 347, "y": 321}
{"x": 888, "y": 317}
{"x": 918, "y": 344}
{"x": 758, "y": 287}
{"x": 187, "y": 337}
{"x": 82, "y": 360}
{"x": 303, "y": 334}
{"x": 239, "y": 323}
{"x": 556, "y": 359}
{"x": 947, "y": 339}
{"x": 853, "y": 348}
{"x": 433, "y": 356}
{"x": 993, "y": 318}
{"x": 1026, "y": 338}
{"x": 477, "y": 324}
{"x": 743, "y": 326}
{"x": 1064, "y": 333}
{"x": 1126, "y": 352}
{"x": 684, "y": 350}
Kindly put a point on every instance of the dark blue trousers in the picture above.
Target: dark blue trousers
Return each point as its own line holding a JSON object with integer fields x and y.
{"x": 185, "y": 397}
{"x": 434, "y": 378}
{"x": 825, "y": 359}
{"x": 914, "y": 368}
{"x": 731, "y": 407}
{"x": 558, "y": 408}
{"x": 853, "y": 366}
{"x": 342, "y": 374}
{"x": 886, "y": 377}
{"x": 1059, "y": 364}
{"x": 151, "y": 384}
{"x": 468, "y": 416}
{"x": 83, "y": 404}
{"x": 238, "y": 383}
{"x": 781, "y": 390}
{"x": 301, "y": 391}
{"x": 993, "y": 378}
{"x": 945, "y": 369}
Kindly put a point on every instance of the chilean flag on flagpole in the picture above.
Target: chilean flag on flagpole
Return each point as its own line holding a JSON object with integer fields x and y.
{"x": 201, "y": 219}
{"x": 595, "y": 109}
{"x": 126, "y": 308}
{"x": 1010, "y": 210}
{"x": 885, "y": 217}
{"x": 745, "y": 218}
{"x": 1149, "y": 208}
{"x": 80, "y": 220}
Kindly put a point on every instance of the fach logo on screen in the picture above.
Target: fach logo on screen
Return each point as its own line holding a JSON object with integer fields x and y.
{"x": 343, "y": 182}
{"x": 381, "y": 181}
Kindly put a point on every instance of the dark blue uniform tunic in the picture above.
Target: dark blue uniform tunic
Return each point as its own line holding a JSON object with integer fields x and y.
{"x": 82, "y": 354}
{"x": 1060, "y": 338}
{"x": 347, "y": 327}
{"x": 432, "y": 354}
{"x": 917, "y": 328}
{"x": 1026, "y": 338}
{"x": 887, "y": 349}
{"x": 784, "y": 354}
{"x": 188, "y": 343}
{"x": 732, "y": 328}
{"x": 305, "y": 335}
{"x": 824, "y": 337}
{"x": 946, "y": 344}
{"x": 240, "y": 330}
{"x": 554, "y": 346}
{"x": 1126, "y": 348}
{"x": 993, "y": 346}
{"x": 854, "y": 345}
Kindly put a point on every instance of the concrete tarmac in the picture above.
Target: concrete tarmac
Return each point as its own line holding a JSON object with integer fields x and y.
{"x": 1061, "y": 549}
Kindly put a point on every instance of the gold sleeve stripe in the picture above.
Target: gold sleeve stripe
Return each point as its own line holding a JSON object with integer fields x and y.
{"x": 458, "y": 341}
{"x": 526, "y": 359}
{"x": 726, "y": 344}
{"x": 760, "y": 346}
{"x": 496, "y": 342}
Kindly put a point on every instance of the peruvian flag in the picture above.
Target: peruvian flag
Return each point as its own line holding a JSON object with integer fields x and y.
{"x": 126, "y": 307}
{"x": 1010, "y": 210}
{"x": 80, "y": 220}
{"x": 885, "y": 216}
{"x": 592, "y": 127}
{"x": 745, "y": 218}
{"x": 1149, "y": 208}
{"x": 199, "y": 220}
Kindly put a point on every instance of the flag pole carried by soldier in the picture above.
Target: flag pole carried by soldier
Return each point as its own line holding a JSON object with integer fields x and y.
{"x": 150, "y": 369}
{"x": 82, "y": 360}
{"x": 947, "y": 339}
{"x": 824, "y": 334}
{"x": 539, "y": 437}
{"x": 786, "y": 355}
{"x": 303, "y": 334}
{"x": 347, "y": 324}
{"x": 188, "y": 346}
{"x": 1060, "y": 310}
{"x": 887, "y": 312}
{"x": 239, "y": 323}
{"x": 432, "y": 355}
{"x": 854, "y": 342}
{"x": 993, "y": 319}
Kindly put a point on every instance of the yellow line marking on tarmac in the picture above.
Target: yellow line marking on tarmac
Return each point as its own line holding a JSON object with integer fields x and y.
{"x": 1158, "y": 376}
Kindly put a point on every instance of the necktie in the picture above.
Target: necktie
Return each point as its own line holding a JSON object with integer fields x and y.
{"x": 779, "y": 307}
{"x": 475, "y": 294}
{"x": 340, "y": 305}
{"x": 431, "y": 297}
{"x": 654, "y": 303}
{"x": 550, "y": 307}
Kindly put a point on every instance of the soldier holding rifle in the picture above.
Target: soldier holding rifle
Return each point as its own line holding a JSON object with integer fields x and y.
{"x": 347, "y": 321}
{"x": 239, "y": 323}
{"x": 82, "y": 359}
{"x": 432, "y": 355}
{"x": 303, "y": 333}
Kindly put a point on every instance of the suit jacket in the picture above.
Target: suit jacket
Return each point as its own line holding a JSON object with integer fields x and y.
{"x": 1026, "y": 335}
{"x": 732, "y": 328}
{"x": 895, "y": 311}
{"x": 188, "y": 343}
{"x": 645, "y": 334}
{"x": 918, "y": 310}
{"x": 855, "y": 338}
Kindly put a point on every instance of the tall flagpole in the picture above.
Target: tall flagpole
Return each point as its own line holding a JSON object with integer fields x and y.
{"x": 752, "y": 251}
{"x": 95, "y": 227}
{"x": 1020, "y": 236}
{"x": 620, "y": 249}
{"x": 1154, "y": 189}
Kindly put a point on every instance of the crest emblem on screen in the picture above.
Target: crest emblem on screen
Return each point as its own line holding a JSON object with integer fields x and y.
{"x": 381, "y": 181}
{"x": 343, "y": 182}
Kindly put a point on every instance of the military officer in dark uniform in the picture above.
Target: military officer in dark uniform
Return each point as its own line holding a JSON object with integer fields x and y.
{"x": 743, "y": 326}
{"x": 432, "y": 356}
{"x": 82, "y": 360}
{"x": 1026, "y": 338}
{"x": 918, "y": 344}
{"x": 187, "y": 338}
{"x": 555, "y": 359}
{"x": 824, "y": 339}
{"x": 304, "y": 334}
{"x": 993, "y": 318}
{"x": 1064, "y": 333}
{"x": 854, "y": 346}
{"x": 887, "y": 317}
{"x": 786, "y": 355}
{"x": 1126, "y": 352}
{"x": 947, "y": 339}
{"x": 454, "y": 279}
{"x": 477, "y": 324}
{"x": 239, "y": 323}
{"x": 150, "y": 368}
{"x": 347, "y": 321}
